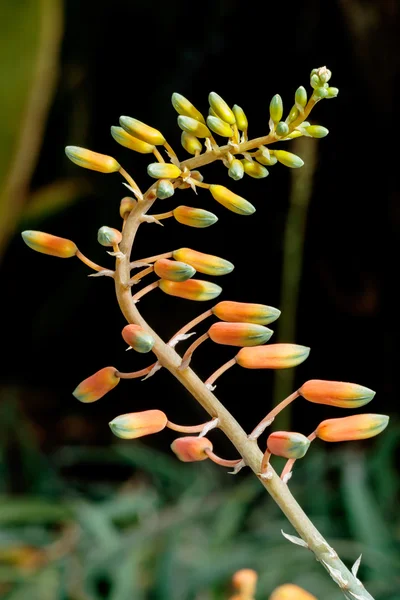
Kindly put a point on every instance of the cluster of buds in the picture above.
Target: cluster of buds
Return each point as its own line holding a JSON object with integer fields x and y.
{"x": 240, "y": 324}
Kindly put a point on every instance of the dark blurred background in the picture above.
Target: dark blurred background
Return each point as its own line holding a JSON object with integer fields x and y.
{"x": 85, "y": 516}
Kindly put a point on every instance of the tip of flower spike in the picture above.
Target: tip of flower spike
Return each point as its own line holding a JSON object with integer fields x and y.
{"x": 49, "y": 244}
{"x": 97, "y": 385}
{"x": 139, "y": 424}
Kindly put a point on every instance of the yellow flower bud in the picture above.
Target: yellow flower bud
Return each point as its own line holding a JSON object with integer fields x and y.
{"x": 236, "y": 169}
{"x": 138, "y": 424}
{"x": 191, "y": 143}
{"x": 163, "y": 171}
{"x": 126, "y": 206}
{"x": 185, "y": 108}
{"x": 125, "y": 139}
{"x": 141, "y": 131}
{"x": 276, "y": 108}
{"x": 317, "y": 131}
{"x": 300, "y": 97}
{"x": 49, "y": 244}
{"x": 203, "y": 263}
{"x": 92, "y": 160}
{"x": 241, "y": 119}
{"x": 221, "y": 108}
{"x": 265, "y": 157}
{"x": 194, "y": 217}
{"x": 254, "y": 169}
{"x": 219, "y": 126}
{"x": 192, "y": 289}
{"x": 288, "y": 159}
{"x": 231, "y": 201}
{"x": 194, "y": 127}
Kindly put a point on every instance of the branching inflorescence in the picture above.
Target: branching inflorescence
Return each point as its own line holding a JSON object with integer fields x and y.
{"x": 243, "y": 325}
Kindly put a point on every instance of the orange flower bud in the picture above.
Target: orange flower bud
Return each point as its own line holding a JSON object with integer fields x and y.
{"x": 204, "y": 263}
{"x": 191, "y": 449}
{"x": 97, "y": 385}
{"x": 141, "y": 131}
{"x": 173, "y": 270}
{"x": 243, "y": 312}
{"x": 194, "y": 217}
{"x": 239, "y": 334}
{"x": 49, "y": 244}
{"x": 126, "y": 206}
{"x": 336, "y": 393}
{"x": 289, "y": 591}
{"x": 138, "y": 424}
{"x": 125, "y": 139}
{"x": 231, "y": 201}
{"x": 275, "y": 356}
{"x": 92, "y": 160}
{"x": 288, "y": 444}
{"x": 245, "y": 581}
{"x": 108, "y": 236}
{"x": 137, "y": 338}
{"x": 356, "y": 427}
{"x": 192, "y": 289}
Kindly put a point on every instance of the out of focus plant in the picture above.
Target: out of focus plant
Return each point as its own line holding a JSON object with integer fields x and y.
{"x": 242, "y": 325}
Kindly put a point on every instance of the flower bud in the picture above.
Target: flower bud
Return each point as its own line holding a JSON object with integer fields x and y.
{"x": 293, "y": 114}
{"x": 185, "y": 108}
{"x": 282, "y": 128}
{"x": 49, "y": 244}
{"x": 321, "y": 92}
{"x": 204, "y": 263}
{"x": 332, "y": 92}
{"x": 219, "y": 126}
{"x": 265, "y": 157}
{"x": 173, "y": 270}
{"x": 254, "y": 169}
{"x": 92, "y": 160}
{"x": 300, "y": 97}
{"x": 163, "y": 171}
{"x": 314, "y": 81}
{"x": 288, "y": 444}
{"x": 97, "y": 385}
{"x": 125, "y": 139}
{"x": 336, "y": 393}
{"x": 239, "y": 334}
{"x": 193, "y": 127}
{"x": 190, "y": 448}
{"x": 275, "y": 356}
{"x": 192, "y": 289}
{"x": 141, "y": 131}
{"x": 108, "y": 236}
{"x": 236, "y": 170}
{"x": 165, "y": 189}
{"x": 243, "y": 312}
{"x": 221, "y": 108}
{"x": 324, "y": 74}
{"x": 241, "y": 119}
{"x": 289, "y": 591}
{"x": 138, "y": 424}
{"x": 194, "y": 217}
{"x": 191, "y": 143}
{"x": 276, "y": 108}
{"x": 126, "y": 206}
{"x": 137, "y": 338}
{"x": 317, "y": 131}
{"x": 288, "y": 159}
{"x": 231, "y": 201}
{"x": 356, "y": 427}
{"x": 244, "y": 581}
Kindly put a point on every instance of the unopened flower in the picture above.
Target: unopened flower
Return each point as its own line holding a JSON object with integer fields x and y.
{"x": 194, "y": 217}
{"x": 282, "y": 129}
{"x": 128, "y": 141}
{"x": 126, "y": 206}
{"x": 288, "y": 159}
{"x": 244, "y": 581}
{"x": 245, "y": 312}
{"x": 288, "y": 444}
{"x": 254, "y": 169}
{"x": 274, "y": 356}
{"x": 219, "y": 126}
{"x": 184, "y": 107}
{"x": 191, "y": 449}
{"x": 49, "y": 244}
{"x": 97, "y": 385}
{"x": 276, "y": 108}
{"x": 138, "y": 338}
{"x": 173, "y": 270}
{"x": 141, "y": 131}
{"x": 203, "y": 263}
{"x": 192, "y": 289}
{"x": 317, "y": 131}
{"x": 231, "y": 201}
{"x": 239, "y": 334}
{"x": 221, "y": 108}
{"x": 289, "y": 591}
{"x": 241, "y": 119}
{"x": 138, "y": 424}
{"x": 236, "y": 169}
{"x": 92, "y": 160}
{"x": 165, "y": 189}
{"x": 191, "y": 143}
{"x": 193, "y": 127}
{"x": 356, "y": 427}
{"x": 300, "y": 97}
{"x": 336, "y": 393}
{"x": 108, "y": 236}
{"x": 163, "y": 171}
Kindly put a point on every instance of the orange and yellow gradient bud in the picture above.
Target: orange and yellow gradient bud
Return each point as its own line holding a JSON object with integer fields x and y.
{"x": 231, "y": 201}
{"x": 243, "y": 312}
{"x": 288, "y": 444}
{"x": 163, "y": 171}
{"x": 204, "y": 263}
{"x": 192, "y": 289}
{"x": 191, "y": 449}
{"x": 173, "y": 270}
{"x": 194, "y": 217}
{"x": 138, "y": 424}
{"x": 126, "y": 206}
{"x": 336, "y": 393}
{"x": 289, "y": 591}
{"x": 141, "y": 131}
{"x": 245, "y": 581}
{"x": 97, "y": 385}
{"x": 49, "y": 244}
{"x": 92, "y": 160}
{"x": 137, "y": 338}
{"x": 275, "y": 356}
{"x": 128, "y": 141}
{"x": 239, "y": 334}
{"x": 184, "y": 107}
{"x": 356, "y": 427}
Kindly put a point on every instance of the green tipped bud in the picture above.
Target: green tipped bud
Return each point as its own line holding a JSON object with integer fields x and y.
{"x": 194, "y": 217}
{"x": 92, "y": 160}
{"x": 321, "y": 92}
{"x": 241, "y": 119}
{"x": 191, "y": 143}
{"x": 294, "y": 113}
{"x": 194, "y": 127}
{"x": 300, "y": 97}
{"x": 221, "y": 108}
{"x": 317, "y": 131}
{"x": 128, "y": 141}
{"x": 231, "y": 201}
{"x": 265, "y": 157}
{"x": 173, "y": 270}
{"x": 288, "y": 159}
{"x": 282, "y": 129}
{"x": 236, "y": 170}
{"x": 164, "y": 189}
{"x": 219, "y": 126}
{"x": 137, "y": 338}
{"x": 163, "y": 171}
{"x": 107, "y": 236}
{"x": 324, "y": 74}
{"x": 254, "y": 169}
{"x": 314, "y": 81}
{"x": 276, "y": 108}
{"x": 184, "y": 107}
{"x": 141, "y": 131}
{"x": 332, "y": 92}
